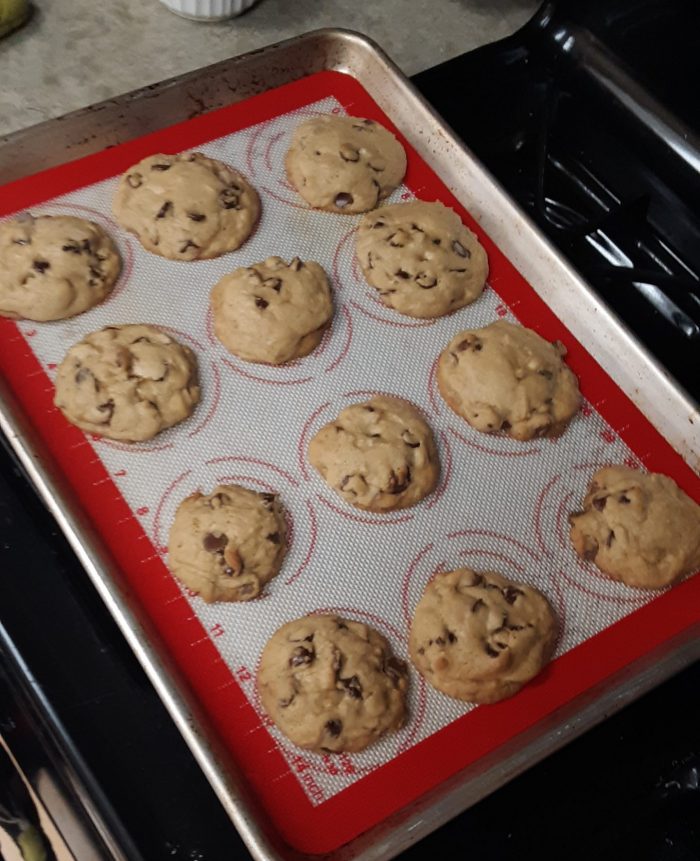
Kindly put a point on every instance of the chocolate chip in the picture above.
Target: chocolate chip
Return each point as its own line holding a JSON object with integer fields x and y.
{"x": 302, "y": 657}
{"x": 506, "y": 425}
{"x": 490, "y": 651}
{"x": 41, "y": 265}
{"x": 543, "y": 372}
{"x": 161, "y": 167}
{"x": 427, "y": 282}
{"x": 599, "y": 503}
{"x": 343, "y": 199}
{"x": 273, "y": 283}
{"x": 624, "y": 500}
{"x": 218, "y": 498}
{"x": 261, "y": 303}
{"x": 164, "y": 210}
{"x": 451, "y": 637}
{"x": 274, "y": 537}
{"x": 394, "y": 669}
{"x": 353, "y": 687}
{"x": 471, "y": 343}
{"x": 410, "y": 440}
{"x": 188, "y": 244}
{"x": 398, "y": 483}
{"x": 421, "y": 651}
{"x": 214, "y": 543}
{"x": 134, "y": 180}
{"x": 437, "y": 241}
{"x": 246, "y": 589}
{"x": 72, "y": 248}
{"x": 107, "y": 408}
{"x": 230, "y": 198}
{"x": 334, "y": 727}
{"x": 196, "y": 216}
{"x": 510, "y": 593}
{"x": 590, "y": 550}
{"x": 370, "y": 409}
{"x": 401, "y": 273}
{"x": 349, "y": 153}
{"x": 458, "y": 248}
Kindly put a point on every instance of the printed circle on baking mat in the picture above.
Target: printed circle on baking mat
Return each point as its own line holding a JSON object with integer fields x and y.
{"x": 327, "y": 412}
{"x": 203, "y": 413}
{"x": 329, "y": 354}
{"x": 491, "y": 445}
{"x": 481, "y": 549}
{"x": 344, "y": 766}
{"x": 561, "y": 495}
{"x": 121, "y": 240}
{"x": 258, "y": 475}
{"x": 266, "y": 152}
{"x": 354, "y": 289}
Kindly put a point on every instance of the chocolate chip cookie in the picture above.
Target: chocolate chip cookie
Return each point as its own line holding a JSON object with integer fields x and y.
{"x": 127, "y": 382}
{"x": 421, "y": 259}
{"x": 186, "y": 206}
{"x": 638, "y": 527}
{"x": 54, "y": 266}
{"x": 273, "y": 311}
{"x": 228, "y": 544}
{"x": 479, "y": 637}
{"x": 507, "y": 378}
{"x": 344, "y": 164}
{"x": 332, "y": 685}
{"x": 379, "y": 455}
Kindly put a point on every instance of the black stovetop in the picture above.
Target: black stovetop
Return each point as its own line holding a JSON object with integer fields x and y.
{"x": 592, "y": 170}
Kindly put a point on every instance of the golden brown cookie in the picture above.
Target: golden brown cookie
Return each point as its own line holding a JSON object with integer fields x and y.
{"x": 272, "y": 312}
{"x": 479, "y": 637}
{"x": 54, "y": 266}
{"x": 332, "y": 685}
{"x": 186, "y": 206}
{"x": 226, "y": 545}
{"x": 638, "y": 527}
{"x": 507, "y": 378}
{"x": 127, "y": 382}
{"x": 344, "y": 164}
{"x": 379, "y": 455}
{"x": 421, "y": 259}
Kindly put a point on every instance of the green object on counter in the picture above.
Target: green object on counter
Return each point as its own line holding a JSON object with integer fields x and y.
{"x": 13, "y": 13}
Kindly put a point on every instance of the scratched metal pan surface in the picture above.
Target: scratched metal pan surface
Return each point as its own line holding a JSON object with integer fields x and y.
{"x": 658, "y": 398}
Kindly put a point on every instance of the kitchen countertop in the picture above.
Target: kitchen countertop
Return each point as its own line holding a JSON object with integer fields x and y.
{"x": 73, "y": 53}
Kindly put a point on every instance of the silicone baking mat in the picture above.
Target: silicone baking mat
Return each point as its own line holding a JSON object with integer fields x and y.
{"x": 500, "y": 504}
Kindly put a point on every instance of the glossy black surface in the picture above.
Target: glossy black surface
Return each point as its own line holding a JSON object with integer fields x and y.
{"x": 589, "y": 116}
{"x": 627, "y": 789}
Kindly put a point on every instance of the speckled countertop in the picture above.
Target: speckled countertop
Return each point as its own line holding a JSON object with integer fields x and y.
{"x": 76, "y": 52}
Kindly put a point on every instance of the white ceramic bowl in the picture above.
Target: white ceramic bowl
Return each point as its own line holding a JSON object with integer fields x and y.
{"x": 208, "y": 10}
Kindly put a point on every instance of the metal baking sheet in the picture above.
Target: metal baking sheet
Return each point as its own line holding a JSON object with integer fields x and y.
{"x": 88, "y": 132}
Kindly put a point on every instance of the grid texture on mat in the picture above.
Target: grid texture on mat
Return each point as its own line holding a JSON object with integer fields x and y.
{"x": 500, "y": 504}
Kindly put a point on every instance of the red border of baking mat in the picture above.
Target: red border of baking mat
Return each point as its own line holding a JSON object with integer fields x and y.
{"x": 392, "y": 786}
